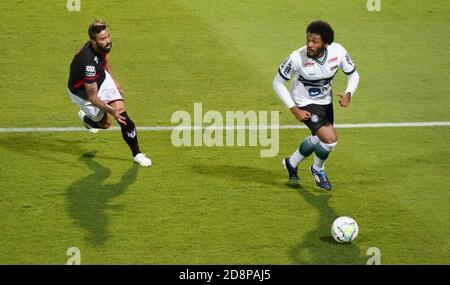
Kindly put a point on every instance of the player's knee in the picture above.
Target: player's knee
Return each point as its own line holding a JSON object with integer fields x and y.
{"x": 121, "y": 110}
{"x": 329, "y": 140}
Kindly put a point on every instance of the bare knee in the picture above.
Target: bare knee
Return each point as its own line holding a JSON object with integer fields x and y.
{"x": 329, "y": 139}
{"x": 119, "y": 105}
{"x": 327, "y": 134}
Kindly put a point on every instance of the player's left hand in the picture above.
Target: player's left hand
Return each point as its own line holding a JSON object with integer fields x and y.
{"x": 345, "y": 99}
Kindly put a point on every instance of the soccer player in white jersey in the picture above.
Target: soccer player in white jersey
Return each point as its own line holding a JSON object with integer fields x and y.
{"x": 312, "y": 69}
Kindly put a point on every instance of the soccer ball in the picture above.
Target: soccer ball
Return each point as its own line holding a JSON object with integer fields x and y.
{"x": 344, "y": 229}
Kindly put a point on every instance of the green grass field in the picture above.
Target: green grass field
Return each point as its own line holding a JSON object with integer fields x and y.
{"x": 222, "y": 205}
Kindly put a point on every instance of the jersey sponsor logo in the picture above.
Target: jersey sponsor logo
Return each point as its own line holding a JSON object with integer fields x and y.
{"x": 286, "y": 67}
{"x": 309, "y": 63}
{"x": 349, "y": 60}
{"x": 314, "y": 118}
{"x": 332, "y": 60}
{"x": 333, "y": 67}
{"x": 313, "y": 92}
{"x": 90, "y": 71}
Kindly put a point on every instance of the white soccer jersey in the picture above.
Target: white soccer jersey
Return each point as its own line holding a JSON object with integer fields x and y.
{"x": 312, "y": 77}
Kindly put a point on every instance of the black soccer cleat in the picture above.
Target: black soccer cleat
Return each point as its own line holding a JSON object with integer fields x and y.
{"x": 292, "y": 171}
{"x": 321, "y": 179}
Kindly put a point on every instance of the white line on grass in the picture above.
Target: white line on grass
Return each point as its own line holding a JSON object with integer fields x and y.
{"x": 264, "y": 127}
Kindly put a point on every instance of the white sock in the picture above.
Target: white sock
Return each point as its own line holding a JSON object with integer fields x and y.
{"x": 318, "y": 164}
{"x": 296, "y": 158}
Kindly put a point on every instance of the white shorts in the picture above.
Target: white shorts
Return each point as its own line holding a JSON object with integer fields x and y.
{"x": 108, "y": 93}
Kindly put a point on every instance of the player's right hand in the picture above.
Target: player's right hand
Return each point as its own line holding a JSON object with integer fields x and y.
{"x": 345, "y": 99}
{"x": 300, "y": 114}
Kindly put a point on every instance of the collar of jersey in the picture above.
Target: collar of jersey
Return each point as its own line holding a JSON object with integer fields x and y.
{"x": 324, "y": 58}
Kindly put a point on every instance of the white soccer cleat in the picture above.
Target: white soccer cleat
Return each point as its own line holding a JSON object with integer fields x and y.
{"x": 81, "y": 115}
{"x": 93, "y": 130}
{"x": 142, "y": 160}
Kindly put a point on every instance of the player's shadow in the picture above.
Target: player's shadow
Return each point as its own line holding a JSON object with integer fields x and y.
{"x": 318, "y": 246}
{"x": 47, "y": 148}
{"x": 88, "y": 198}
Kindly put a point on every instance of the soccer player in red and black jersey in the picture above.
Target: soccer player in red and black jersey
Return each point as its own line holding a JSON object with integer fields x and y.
{"x": 96, "y": 92}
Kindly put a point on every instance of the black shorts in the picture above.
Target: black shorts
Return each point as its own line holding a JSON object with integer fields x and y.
{"x": 320, "y": 115}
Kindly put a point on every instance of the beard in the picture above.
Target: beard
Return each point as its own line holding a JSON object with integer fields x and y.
{"x": 105, "y": 49}
{"x": 317, "y": 53}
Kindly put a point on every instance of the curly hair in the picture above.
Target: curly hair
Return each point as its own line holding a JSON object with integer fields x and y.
{"x": 323, "y": 29}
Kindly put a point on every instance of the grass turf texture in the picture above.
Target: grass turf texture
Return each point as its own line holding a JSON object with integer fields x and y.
{"x": 222, "y": 205}
{"x": 217, "y": 205}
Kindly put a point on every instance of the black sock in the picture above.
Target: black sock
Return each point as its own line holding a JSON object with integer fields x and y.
{"x": 129, "y": 134}
{"x": 91, "y": 123}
